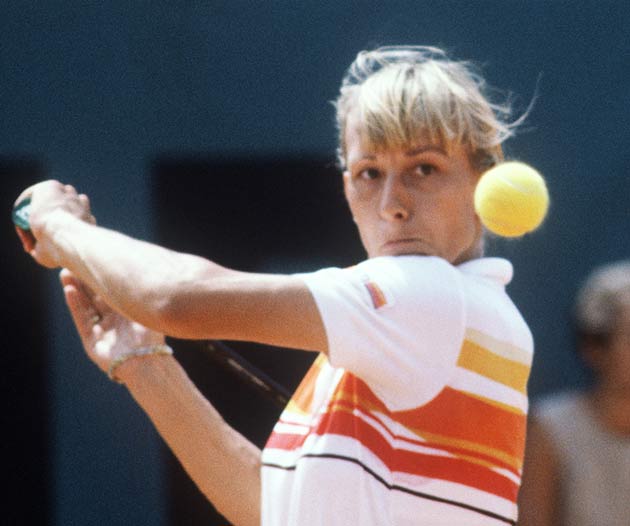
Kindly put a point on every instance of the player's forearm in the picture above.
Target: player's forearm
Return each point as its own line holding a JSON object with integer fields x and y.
{"x": 224, "y": 465}
{"x": 139, "y": 279}
{"x": 182, "y": 295}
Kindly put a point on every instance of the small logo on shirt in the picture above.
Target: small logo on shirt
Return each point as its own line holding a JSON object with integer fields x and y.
{"x": 376, "y": 294}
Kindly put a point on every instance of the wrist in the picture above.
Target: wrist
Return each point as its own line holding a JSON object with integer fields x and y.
{"x": 122, "y": 367}
{"x": 46, "y": 222}
{"x": 49, "y": 229}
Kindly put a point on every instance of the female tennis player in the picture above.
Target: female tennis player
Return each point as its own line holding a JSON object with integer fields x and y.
{"x": 414, "y": 411}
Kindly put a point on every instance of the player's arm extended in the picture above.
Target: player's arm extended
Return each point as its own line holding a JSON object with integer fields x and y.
{"x": 177, "y": 294}
{"x": 223, "y": 463}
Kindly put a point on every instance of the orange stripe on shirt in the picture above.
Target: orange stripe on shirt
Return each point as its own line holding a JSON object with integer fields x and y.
{"x": 452, "y": 469}
{"x": 474, "y": 452}
{"x": 454, "y": 417}
{"x": 302, "y": 398}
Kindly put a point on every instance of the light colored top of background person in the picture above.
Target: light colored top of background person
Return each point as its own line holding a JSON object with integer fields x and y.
{"x": 577, "y": 464}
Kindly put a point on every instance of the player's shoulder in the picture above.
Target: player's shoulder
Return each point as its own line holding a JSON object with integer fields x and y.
{"x": 406, "y": 268}
{"x": 408, "y": 280}
{"x": 495, "y": 269}
{"x": 488, "y": 269}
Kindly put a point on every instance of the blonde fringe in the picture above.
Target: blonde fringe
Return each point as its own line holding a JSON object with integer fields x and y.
{"x": 408, "y": 93}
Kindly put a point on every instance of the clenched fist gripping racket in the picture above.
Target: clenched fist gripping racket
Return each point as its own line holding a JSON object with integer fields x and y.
{"x": 20, "y": 214}
{"x": 218, "y": 351}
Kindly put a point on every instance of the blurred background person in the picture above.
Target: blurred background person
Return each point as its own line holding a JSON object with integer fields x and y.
{"x": 577, "y": 462}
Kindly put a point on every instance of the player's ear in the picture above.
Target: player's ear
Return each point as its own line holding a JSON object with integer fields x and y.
{"x": 346, "y": 184}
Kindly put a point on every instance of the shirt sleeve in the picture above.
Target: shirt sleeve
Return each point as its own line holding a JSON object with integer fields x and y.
{"x": 395, "y": 322}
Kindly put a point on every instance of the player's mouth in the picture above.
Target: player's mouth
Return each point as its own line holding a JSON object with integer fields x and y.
{"x": 404, "y": 246}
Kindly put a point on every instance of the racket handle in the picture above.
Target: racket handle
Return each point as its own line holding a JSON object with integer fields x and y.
{"x": 21, "y": 213}
{"x": 250, "y": 374}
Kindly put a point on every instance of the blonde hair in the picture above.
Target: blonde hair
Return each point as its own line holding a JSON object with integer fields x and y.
{"x": 406, "y": 93}
{"x": 601, "y": 296}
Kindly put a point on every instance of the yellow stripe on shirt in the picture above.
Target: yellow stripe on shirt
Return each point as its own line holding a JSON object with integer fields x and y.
{"x": 480, "y": 360}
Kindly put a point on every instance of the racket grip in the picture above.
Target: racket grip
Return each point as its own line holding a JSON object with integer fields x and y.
{"x": 21, "y": 213}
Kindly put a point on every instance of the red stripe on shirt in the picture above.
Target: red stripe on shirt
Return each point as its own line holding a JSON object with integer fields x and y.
{"x": 452, "y": 414}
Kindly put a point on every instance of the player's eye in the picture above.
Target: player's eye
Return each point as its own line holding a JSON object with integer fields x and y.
{"x": 369, "y": 173}
{"x": 425, "y": 169}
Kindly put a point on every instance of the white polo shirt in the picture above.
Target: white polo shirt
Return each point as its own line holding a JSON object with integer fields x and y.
{"x": 418, "y": 415}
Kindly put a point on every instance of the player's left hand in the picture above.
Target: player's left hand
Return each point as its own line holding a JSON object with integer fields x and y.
{"x": 105, "y": 334}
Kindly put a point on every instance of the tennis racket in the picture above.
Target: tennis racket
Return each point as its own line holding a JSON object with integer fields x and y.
{"x": 218, "y": 351}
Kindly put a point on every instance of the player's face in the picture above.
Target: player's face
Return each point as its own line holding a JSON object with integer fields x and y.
{"x": 415, "y": 200}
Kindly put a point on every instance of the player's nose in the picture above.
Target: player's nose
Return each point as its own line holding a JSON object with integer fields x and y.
{"x": 395, "y": 199}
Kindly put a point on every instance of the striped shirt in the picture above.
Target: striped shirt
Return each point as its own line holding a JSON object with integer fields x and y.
{"x": 418, "y": 415}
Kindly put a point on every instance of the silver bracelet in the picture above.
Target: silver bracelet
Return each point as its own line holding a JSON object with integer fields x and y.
{"x": 159, "y": 349}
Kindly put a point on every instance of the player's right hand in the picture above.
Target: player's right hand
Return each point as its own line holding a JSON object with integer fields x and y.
{"x": 49, "y": 199}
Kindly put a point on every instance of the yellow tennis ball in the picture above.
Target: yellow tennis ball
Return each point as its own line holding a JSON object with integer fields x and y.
{"x": 511, "y": 199}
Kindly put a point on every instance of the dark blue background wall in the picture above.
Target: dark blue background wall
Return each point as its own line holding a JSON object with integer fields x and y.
{"x": 96, "y": 90}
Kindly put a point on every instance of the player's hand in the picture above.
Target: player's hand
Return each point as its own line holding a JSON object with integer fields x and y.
{"x": 105, "y": 334}
{"x": 49, "y": 198}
